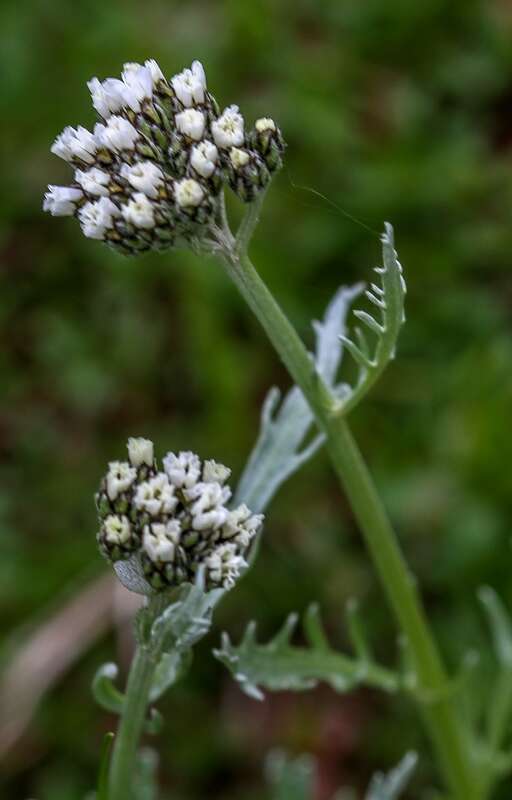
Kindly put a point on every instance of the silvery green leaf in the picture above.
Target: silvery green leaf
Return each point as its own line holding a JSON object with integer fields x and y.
{"x": 182, "y": 623}
{"x": 388, "y": 296}
{"x": 176, "y": 629}
{"x": 131, "y": 575}
{"x": 280, "y": 448}
{"x": 390, "y": 786}
{"x": 290, "y": 779}
{"x": 279, "y": 665}
{"x": 171, "y": 667}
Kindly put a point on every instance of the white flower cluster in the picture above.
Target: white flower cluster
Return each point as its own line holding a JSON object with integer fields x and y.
{"x": 150, "y": 174}
{"x": 175, "y": 519}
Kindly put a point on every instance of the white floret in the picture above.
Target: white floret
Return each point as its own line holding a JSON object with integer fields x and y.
{"x": 203, "y": 158}
{"x": 117, "y": 529}
{"x": 96, "y": 218}
{"x": 160, "y": 540}
{"x": 190, "y": 85}
{"x": 188, "y": 193}
{"x": 183, "y": 470}
{"x": 61, "y": 201}
{"x": 156, "y": 496}
{"x": 120, "y": 477}
{"x": 228, "y": 129}
{"x": 75, "y": 143}
{"x": 140, "y": 451}
{"x": 191, "y": 123}
{"x": 93, "y": 181}
{"x": 139, "y": 211}
{"x": 118, "y": 134}
{"x": 144, "y": 176}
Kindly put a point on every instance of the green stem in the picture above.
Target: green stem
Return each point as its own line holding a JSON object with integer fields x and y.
{"x": 399, "y": 585}
{"x": 124, "y": 754}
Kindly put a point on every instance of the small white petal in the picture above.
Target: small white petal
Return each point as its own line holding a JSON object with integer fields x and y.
{"x": 156, "y": 73}
{"x": 265, "y": 124}
{"x": 239, "y": 158}
{"x": 183, "y": 470}
{"x": 203, "y": 158}
{"x": 228, "y": 129}
{"x": 120, "y": 475}
{"x": 140, "y": 451}
{"x": 117, "y": 529}
{"x": 97, "y": 217}
{"x": 160, "y": 540}
{"x": 190, "y": 85}
{"x": 191, "y": 122}
{"x": 139, "y": 82}
{"x": 118, "y": 134}
{"x": 75, "y": 143}
{"x": 145, "y": 176}
{"x": 139, "y": 211}
{"x": 93, "y": 181}
{"x": 188, "y": 193}
{"x": 61, "y": 201}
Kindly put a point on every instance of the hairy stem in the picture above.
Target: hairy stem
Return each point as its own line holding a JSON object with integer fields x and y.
{"x": 399, "y": 585}
{"x": 124, "y": 756}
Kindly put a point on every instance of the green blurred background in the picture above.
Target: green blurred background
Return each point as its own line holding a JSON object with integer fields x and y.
{"x": 392, "y": 110}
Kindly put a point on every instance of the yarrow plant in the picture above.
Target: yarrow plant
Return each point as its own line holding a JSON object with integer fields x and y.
{"x": 153, "y": 175}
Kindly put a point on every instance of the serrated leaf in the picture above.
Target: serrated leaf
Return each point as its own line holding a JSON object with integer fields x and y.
{"x": 390, "y": 786}
{"x": 279, "y": 665}
{"x": 280, "y": 449}
{"x": 388, "y": 299}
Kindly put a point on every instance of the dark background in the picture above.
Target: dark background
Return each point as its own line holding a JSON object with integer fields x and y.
{"x": 392, "y": 110}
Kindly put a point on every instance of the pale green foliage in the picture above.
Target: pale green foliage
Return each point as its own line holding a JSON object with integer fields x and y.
{"x": 388, "y": 297}
{"x": 293, "y": 779}
{"x": 390, "y": 786}
{"x": 279, "y": 665}
{"x": 280, "y": 449}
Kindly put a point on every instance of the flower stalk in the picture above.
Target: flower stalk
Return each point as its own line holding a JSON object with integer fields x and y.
{"x": 399, "y": 585}
{"x": 131, "y": 723}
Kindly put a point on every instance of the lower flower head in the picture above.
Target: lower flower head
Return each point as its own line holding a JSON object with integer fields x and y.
{"x": 174, "y": 522}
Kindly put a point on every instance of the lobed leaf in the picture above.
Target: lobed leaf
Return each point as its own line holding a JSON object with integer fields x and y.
{"x": 388, "y": 296}
{"x": 279, "y": 665}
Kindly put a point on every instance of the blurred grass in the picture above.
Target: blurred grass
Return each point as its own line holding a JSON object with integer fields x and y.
{"x": 392, "y": 111}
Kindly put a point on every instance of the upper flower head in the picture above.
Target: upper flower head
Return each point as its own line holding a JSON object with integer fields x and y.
{"x": 152, "y": 172}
